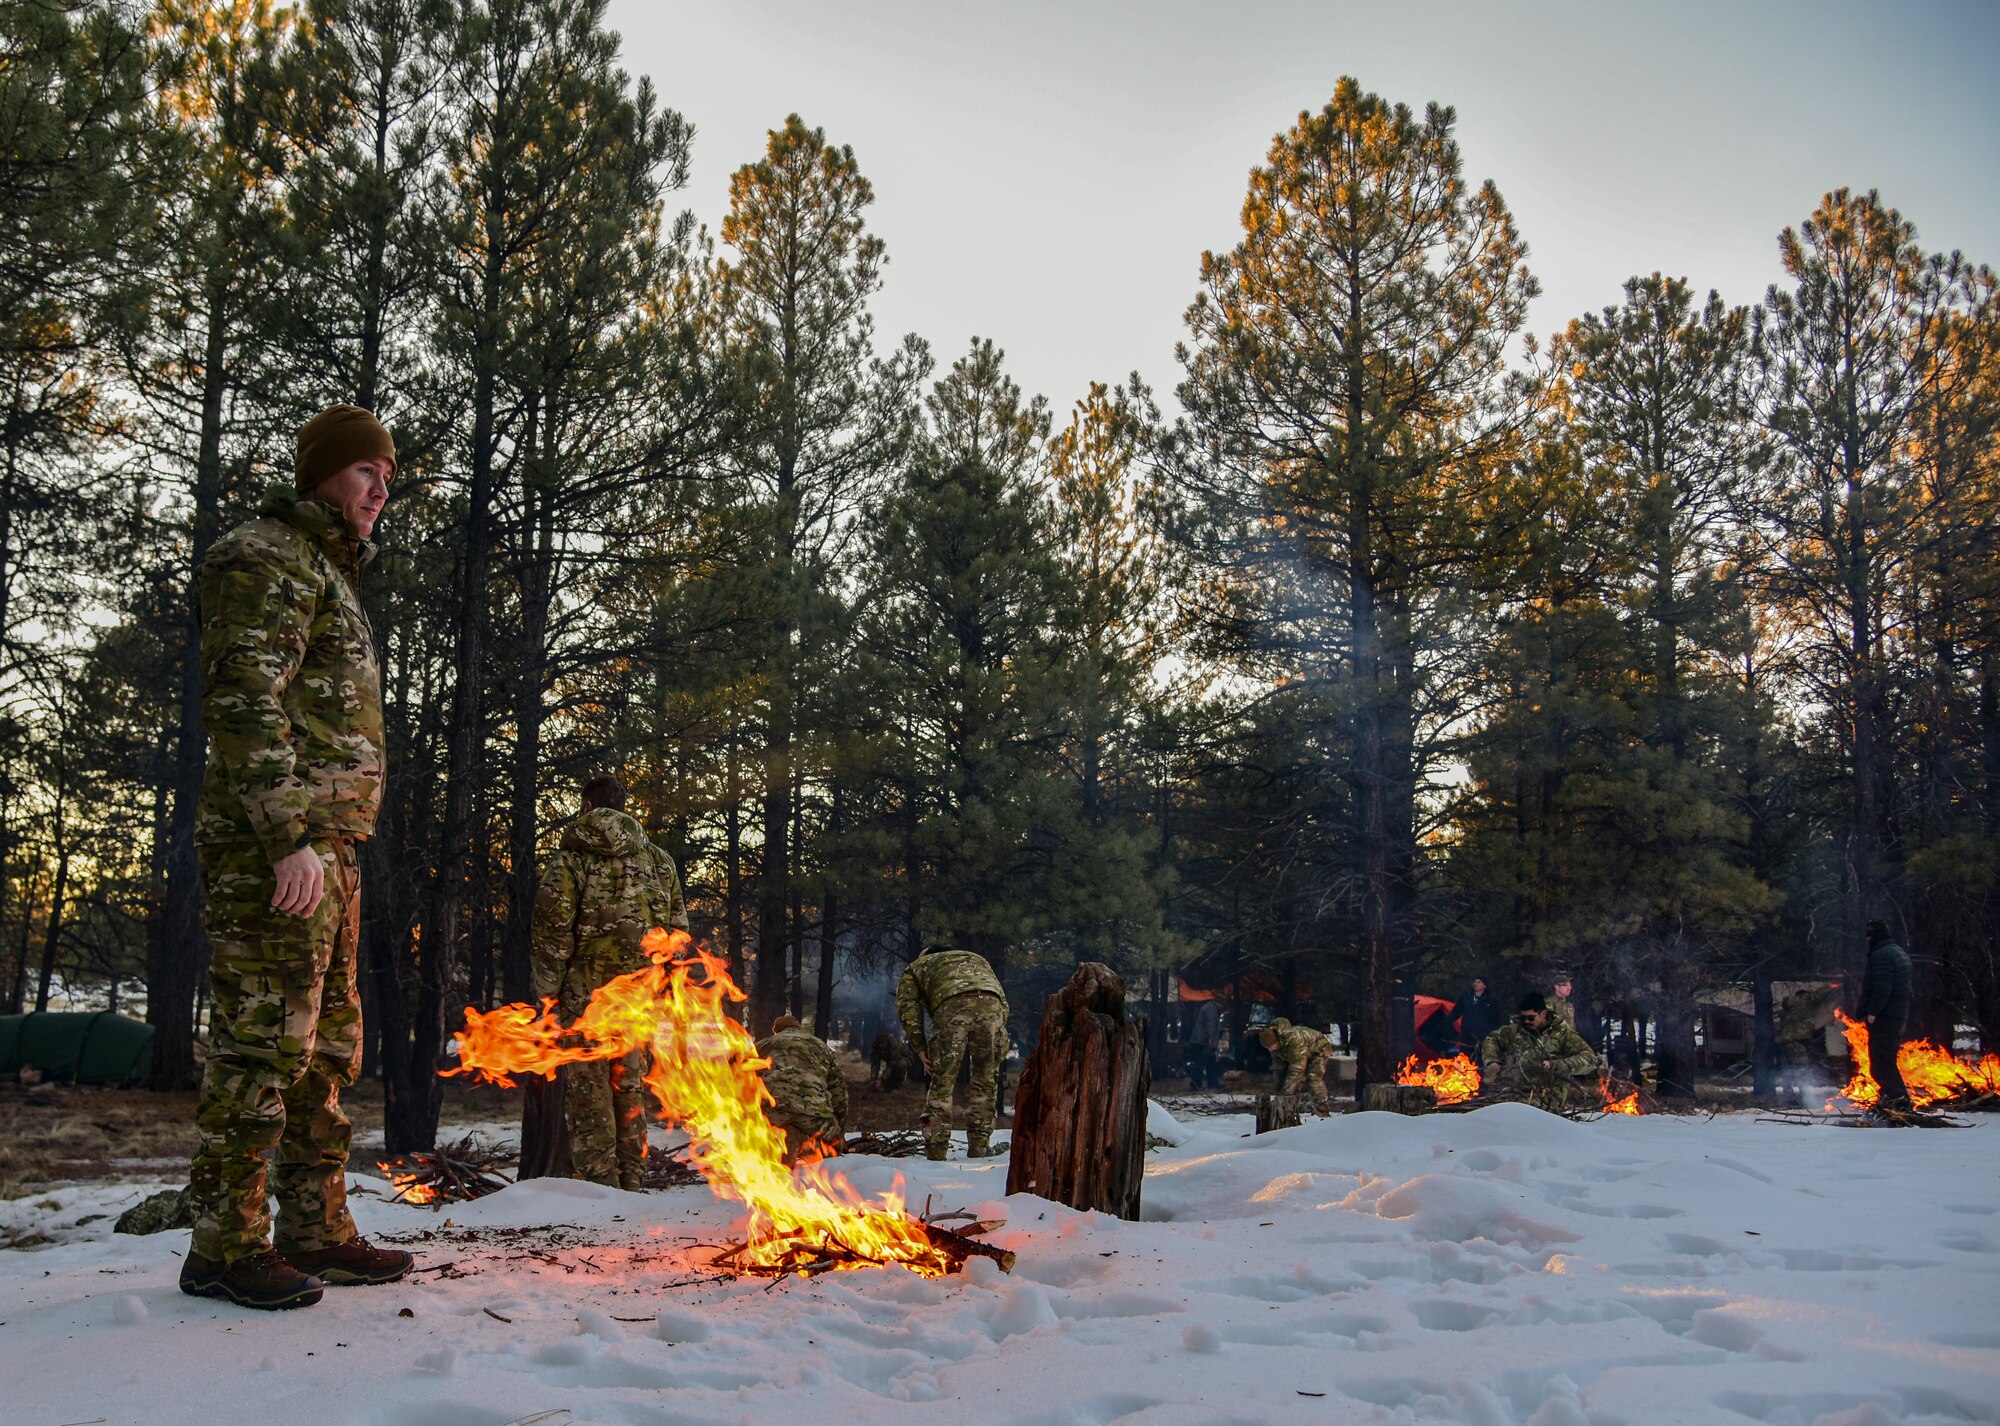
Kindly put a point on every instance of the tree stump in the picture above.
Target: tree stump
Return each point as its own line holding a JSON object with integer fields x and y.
{"x": 1277, "y": 1111}
{"x": 1080, "y": 1104}
{"x": 1400, "y": 1098}
{"x": 545, "y": 1129}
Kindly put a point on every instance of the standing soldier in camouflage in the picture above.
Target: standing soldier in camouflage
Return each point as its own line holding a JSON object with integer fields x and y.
{"x": 1299, "y": 1057}
{"x": 1562, "y": 1007}
{"x": 968, "y": 1012}
{"x": 1539, "y": 1058}
{"x": 600, "y": 894}
{"x": 808, "y": 1094}
{"x": 293, "y": 707}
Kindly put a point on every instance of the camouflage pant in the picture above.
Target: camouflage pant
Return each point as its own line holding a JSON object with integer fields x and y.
{"x": 976, "y": 1024}
{"x": 606, "y": 1102}
{"x": 1308, "y": 1076}
{"x": 284, "y": 1036}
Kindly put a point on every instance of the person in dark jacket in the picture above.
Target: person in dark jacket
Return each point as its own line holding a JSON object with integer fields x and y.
{"x": 1204, "y": 1040}
{"x": 1885, "y": 1006}
{"x": 1478, "y": 1016}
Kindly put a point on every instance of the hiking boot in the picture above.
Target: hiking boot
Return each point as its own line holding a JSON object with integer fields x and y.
{"x": 355, "y": 1263}
{"x": 936, "y": 1152}
{"x": 263, "y": 1280}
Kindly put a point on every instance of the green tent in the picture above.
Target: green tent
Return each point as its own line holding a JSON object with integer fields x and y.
{"x": 77, "y": 1047}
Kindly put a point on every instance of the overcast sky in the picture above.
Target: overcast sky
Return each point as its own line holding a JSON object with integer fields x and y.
{"x": 1048, "y": 172}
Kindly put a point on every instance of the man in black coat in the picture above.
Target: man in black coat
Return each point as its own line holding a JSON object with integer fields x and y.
{"x": 1885, "y": 1006}
{"x": 1478, "y": 1017}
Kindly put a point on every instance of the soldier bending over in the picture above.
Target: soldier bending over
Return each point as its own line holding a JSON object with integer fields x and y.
{"x": 968, "y": 1012}
{"x": 1299, "y": 1057}
{"x": 808, "y": 1095}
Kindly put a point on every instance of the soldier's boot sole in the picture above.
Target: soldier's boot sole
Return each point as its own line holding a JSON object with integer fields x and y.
{"x": 349, "y": 1277}
{"x": 216, "y": 1286}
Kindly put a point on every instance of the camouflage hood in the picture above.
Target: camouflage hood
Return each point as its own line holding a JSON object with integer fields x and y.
{"x": 318, "y": 519}
{"x": 605, "y": 832}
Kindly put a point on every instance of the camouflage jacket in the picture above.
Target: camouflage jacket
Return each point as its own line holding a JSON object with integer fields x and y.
{"x": 1297, "y": 1047}
{"x": 804, "y": 1079}
{"x": 1518, "y": 1049}
{"x": 600, "y": 894}
{"x": 293, "y": 695}
{"x": 936, "y": 977}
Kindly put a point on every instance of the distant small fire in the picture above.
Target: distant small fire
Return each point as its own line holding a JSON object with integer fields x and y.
{"x": 1932, "y": 1073}
{"x": 1456, "y": 1080}
{"x": 1628, "y": 1105}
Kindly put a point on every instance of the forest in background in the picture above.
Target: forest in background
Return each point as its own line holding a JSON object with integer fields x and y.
{"x": 1396, "y": 645}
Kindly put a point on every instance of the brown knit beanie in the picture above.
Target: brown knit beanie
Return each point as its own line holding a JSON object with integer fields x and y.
{"x": 335, "y": 439}
{"x": 784, "y": 1022}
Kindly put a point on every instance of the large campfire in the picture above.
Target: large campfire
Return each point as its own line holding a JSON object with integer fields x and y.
{"x": 705, "y": 1078}
{"x": 1933, "y": 1074}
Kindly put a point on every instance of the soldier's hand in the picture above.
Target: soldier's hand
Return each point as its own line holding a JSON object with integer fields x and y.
{"x": 301, "y": 882}
{"x": 924, "y": 1060}
{"x": 1548, "y": 1064}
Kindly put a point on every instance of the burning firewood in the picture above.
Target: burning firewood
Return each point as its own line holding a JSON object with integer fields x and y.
{"x": 704, "y": 1075}
{"x": 804, "y": 1257}
{"x": 450, "y": 1173}
{"x": 1936, "y": 1079}
{"x": 1456, "y": 1080}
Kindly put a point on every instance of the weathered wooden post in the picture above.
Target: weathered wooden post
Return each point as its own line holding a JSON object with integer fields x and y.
{"x": 1278, "y": 1111}
{"x": 1400, "y": 1098}
{"x": 1080, "y": 1108}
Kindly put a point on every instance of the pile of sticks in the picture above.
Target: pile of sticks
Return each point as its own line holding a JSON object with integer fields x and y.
{"x": 805, "y": 1259}
{"x": 897, "y": 1144}
{"x": 670, "y": 1171}
{"x": 451, "y": 1173}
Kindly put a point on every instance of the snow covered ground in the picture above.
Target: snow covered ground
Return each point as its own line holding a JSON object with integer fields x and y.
{"x": 1503, "y": 1268}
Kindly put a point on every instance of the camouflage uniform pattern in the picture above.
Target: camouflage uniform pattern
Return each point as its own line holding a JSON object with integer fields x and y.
{"x": 1299, "y": 1060}
{"x": 293, "y": 698}
{"x": 968, "y": 1013}
{"x": 600, "y": 893}
{"x": 1562, "y": 1008}
{"x": 284, "y": 1039}
{"x": 808, "y": 1094}
{"x": 1511, "y": 1063}
{"x": 293, "y": 707}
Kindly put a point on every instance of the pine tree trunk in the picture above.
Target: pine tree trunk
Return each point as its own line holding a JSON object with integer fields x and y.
{"x": 1676, "y": 1049}
{"x": 1080, "y": 1108}
{"x": 1764, "y": 1034}
{"x": 182, "y": 945}
{"x": 545, "y": 1129}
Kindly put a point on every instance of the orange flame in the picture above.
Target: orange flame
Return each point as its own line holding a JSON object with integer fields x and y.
{"x": 705, "y": 1076}
{"x": 406, "y": 1185}
{"x": 1628, "y": 1105}
{"x": 1931, "y": 1073}
{"x": 1455, "y": 1080}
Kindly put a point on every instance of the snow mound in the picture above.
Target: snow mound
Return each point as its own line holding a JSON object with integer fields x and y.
{"x": 1162, "y": 1125}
